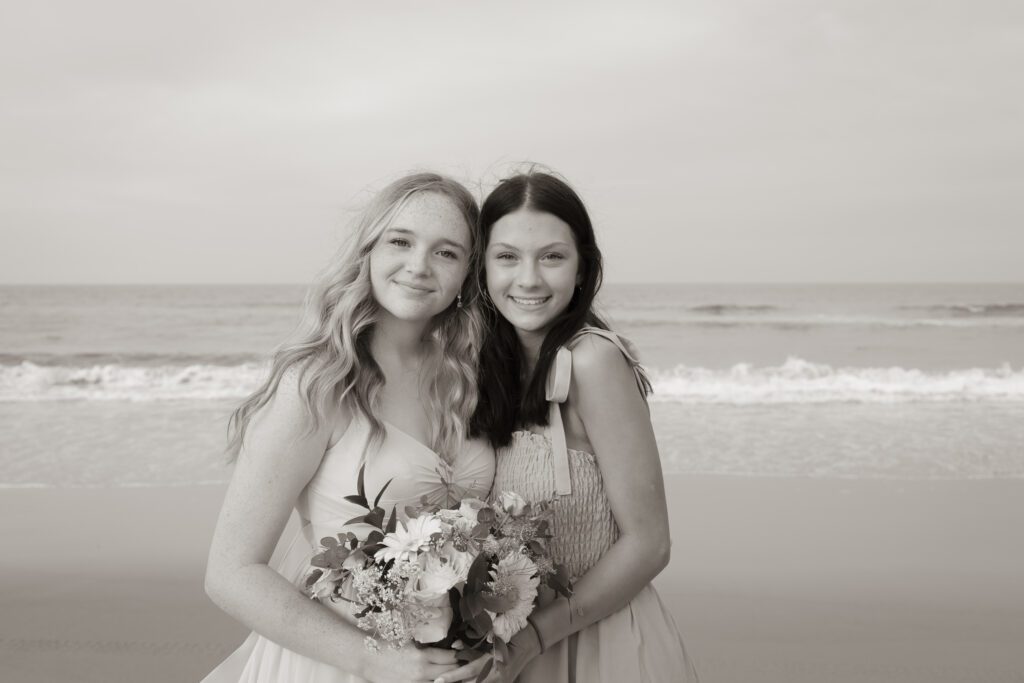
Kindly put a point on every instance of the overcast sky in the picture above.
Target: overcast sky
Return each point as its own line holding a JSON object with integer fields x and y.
{"x": 716, "y": 140}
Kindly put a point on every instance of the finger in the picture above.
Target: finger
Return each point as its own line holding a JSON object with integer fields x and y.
{"x": 436, "y": 655}
{"x": 433, "y": 672}
{"x": 466, "y": 672}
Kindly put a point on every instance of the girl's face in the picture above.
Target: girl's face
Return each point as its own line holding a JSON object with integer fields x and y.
{"x": 532, "y": 268}
{"x": 419, "y": 263}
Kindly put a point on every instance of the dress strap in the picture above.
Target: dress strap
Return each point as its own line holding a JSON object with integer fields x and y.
{"x": 557, "y": 391}
{"x": 627, "y": 349}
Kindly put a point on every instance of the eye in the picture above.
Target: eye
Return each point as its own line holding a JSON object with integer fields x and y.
{"x": 399, "y": 241}
{"x": 553, "y": 256}
{"x": 449, "y": 254}
{"x": 504, "y": 256}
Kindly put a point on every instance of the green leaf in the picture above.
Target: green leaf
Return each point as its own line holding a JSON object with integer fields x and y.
{"x": 329, "y": 542}
{"x": 369, "y": 550}
{"x": 356, "y": 520}
{"x": 358, "y": 500}
{"x": 381, "y": 492}
{"x": 485, "y": 515}
{"x": 320, "y": 561}
{"x": 375, "y": 518}
{"x": 392, "y": 521}
{"x": 314, "y": 577}
{"x": 374, "y": 537}
{"x": 484, "y": 671}
{"x": 336, "y": 556}
{"x": 359, "y": 482}
{"x": 478, "y": 574}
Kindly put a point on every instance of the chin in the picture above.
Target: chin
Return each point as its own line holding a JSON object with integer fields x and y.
{"x": 532, "y": 325}
{"x": 410, "y": 313}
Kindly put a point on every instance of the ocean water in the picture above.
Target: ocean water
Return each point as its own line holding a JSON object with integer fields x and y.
{"x": 132, "y": 385}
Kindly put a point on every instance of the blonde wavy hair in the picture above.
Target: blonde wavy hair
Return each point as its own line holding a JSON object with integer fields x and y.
{"x": 330, "y": 349}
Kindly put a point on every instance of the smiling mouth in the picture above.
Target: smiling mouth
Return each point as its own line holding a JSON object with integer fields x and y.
{"x": 530, "y": 300}
{"x": 415, "y": 288}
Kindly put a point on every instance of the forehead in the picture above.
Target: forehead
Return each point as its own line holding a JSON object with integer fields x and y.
{"x": 431, "y": 215}
{"x": 526, "y": 228}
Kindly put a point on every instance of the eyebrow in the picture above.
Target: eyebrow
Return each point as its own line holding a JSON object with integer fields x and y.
{"x": 443, "y": 240}
{"x": 505, "y": 245}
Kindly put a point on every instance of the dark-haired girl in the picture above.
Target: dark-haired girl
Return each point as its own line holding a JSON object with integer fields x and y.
{"x": 564, "y": 400}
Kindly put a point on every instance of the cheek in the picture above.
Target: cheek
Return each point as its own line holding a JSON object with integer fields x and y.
{"x": 455, "y": 275}
{"x": 496, "y": 282}
{"x": 565, "y": 281}
{"x": 377, "y": 263}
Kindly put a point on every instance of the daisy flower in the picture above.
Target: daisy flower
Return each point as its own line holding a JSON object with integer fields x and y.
{"x": 408, "y": 539}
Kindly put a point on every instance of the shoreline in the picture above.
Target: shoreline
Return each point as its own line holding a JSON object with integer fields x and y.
{"x": 771, "y": 579}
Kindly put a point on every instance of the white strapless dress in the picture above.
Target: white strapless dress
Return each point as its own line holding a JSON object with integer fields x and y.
{"x": 416, "y": 471}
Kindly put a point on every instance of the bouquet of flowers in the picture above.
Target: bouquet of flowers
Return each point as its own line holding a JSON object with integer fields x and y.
{"x": 464, "y": 578}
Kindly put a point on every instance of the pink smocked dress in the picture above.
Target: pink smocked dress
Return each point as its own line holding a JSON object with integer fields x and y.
{"x": 416, "y": 471}
{"x": 638, "y": 644}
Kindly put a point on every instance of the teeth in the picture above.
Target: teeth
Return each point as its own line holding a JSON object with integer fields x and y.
{"x": 529, "y": 302}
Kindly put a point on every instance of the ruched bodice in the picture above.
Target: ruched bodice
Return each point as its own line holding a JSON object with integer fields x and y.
{"x": 583, "y": 526}
{"x": 415, "y": 472}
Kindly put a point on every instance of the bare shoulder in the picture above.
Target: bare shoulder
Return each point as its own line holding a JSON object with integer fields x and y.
{"x": 598, "y": 362}
{"x": 289, "y": 407}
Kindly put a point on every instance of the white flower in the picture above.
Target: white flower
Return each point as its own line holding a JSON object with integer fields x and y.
{"x": 511, "y": 502}
{"x": 514, "y": 578}
{"x": 470, "y": 509}
{"x": 325, "y": 585}
{"x": 408, "y": 539}
{"x": 434, "y": 622}
{"x": 458, "y": 559}
{"x": 435, "y": 579}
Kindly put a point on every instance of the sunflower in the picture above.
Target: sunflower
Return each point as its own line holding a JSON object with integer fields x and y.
{"x": 513, "y": 579}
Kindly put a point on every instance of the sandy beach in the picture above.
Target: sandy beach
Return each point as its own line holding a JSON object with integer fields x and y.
{"x": 771, "y": 580}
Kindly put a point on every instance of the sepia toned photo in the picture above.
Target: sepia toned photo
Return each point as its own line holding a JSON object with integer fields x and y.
{"x": 540, "y": 342}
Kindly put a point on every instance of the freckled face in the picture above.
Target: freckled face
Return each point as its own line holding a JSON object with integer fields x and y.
{"x": 532, "y": 267}
{"x": 419, "y": 263}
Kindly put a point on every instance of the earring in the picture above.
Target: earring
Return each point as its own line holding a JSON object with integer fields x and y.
{"x": 458, "y": 301}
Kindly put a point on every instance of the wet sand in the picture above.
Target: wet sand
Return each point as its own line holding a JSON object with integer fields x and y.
{"x": 795, "y": 580}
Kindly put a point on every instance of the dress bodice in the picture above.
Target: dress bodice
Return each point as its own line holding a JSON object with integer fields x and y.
{"x": 541, "y": 467}
{"x": 583, "y": 526}
{"x": 415, "y": 472}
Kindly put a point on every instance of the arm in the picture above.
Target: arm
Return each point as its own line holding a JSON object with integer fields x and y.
{"x": 618, "y": 426}
{"x": 276, "y": 463}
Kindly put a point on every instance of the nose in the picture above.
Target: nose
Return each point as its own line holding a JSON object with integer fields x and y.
{"x": 528, "y": 274}
{"x": 418, "y": 262}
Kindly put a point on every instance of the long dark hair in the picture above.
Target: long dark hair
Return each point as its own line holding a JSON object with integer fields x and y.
{"x": 504, "y": 403}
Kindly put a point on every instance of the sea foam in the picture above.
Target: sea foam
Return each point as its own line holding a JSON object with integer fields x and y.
{"x": 30, "y": 382}
{"x": 795, "y": 381}
{"x": 801, "y": 381}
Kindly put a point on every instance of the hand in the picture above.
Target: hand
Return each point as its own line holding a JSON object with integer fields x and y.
{"x": 422, "y": 665}
{"x": 467, "y": 672}
{"x": 522, "y": 649}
